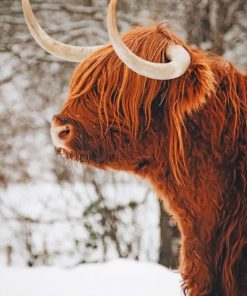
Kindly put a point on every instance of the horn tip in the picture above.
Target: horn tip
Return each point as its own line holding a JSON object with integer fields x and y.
{"x": 113, "y": 3}
{"x": 24, "y": 2}
{"x": 25, "y": 5}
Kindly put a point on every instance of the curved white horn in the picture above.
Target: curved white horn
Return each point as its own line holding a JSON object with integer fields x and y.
{"x": 63, "y": 51}
{"x": 178, "y": 56}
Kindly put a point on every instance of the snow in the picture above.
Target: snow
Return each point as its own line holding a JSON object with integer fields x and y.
{"x": 53, "y": 214}
{"x": 121, "y": 277}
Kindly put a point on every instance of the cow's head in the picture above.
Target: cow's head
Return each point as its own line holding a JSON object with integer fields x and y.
{"x": 127, "y": 99}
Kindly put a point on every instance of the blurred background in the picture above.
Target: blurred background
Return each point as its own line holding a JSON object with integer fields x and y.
{"x": 53, "y": 212}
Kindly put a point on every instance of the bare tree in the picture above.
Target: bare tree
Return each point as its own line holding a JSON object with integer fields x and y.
{"x": 169, "y": 235}
{"x": 210, "y": 21}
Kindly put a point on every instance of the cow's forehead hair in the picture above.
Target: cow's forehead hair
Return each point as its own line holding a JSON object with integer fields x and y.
{"x": 116, "y": 89}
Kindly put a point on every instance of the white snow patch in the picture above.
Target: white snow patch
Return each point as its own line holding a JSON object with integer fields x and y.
{"x": 121, "y": 278}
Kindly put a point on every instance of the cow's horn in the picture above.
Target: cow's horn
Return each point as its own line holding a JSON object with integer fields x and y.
{"x": 64, "y": 51}
{"x": 178, "y": 56}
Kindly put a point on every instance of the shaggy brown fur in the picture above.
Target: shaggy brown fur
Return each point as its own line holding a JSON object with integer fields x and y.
{"x": 186, "y": 136}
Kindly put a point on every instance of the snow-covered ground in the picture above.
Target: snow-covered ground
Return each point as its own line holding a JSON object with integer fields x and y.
{"x": 116, "y": 278}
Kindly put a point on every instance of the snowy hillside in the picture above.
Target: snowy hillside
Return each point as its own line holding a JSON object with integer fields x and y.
{"x": 121, "y": 278}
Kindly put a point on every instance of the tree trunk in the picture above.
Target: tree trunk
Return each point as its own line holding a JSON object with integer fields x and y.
{"x": 166, "y": 254}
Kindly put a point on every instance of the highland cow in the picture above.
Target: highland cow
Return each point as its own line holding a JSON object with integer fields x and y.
{"x": 176, "y": 116}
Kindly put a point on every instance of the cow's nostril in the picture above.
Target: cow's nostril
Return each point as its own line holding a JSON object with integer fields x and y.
{"x": 64, "y": 133}
{"x": 60, "y": 134}
{"x": 54, "y": 118}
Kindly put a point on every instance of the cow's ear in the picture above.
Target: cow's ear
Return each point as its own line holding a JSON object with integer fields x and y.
{"x": 192, "y": 90}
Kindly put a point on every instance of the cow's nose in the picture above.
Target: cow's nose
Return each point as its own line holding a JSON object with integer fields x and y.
{"x": 60, "y": 134}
